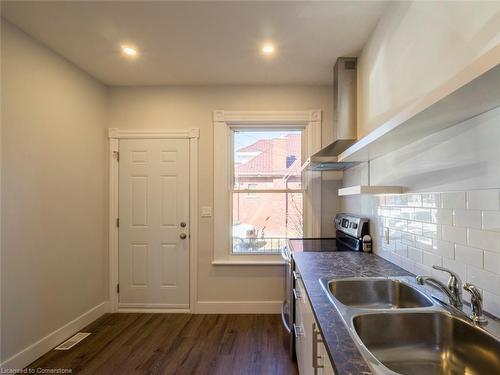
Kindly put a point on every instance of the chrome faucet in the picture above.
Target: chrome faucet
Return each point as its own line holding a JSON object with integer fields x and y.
{"x": 476, "y": 301}
{"x": 453, "y": 290}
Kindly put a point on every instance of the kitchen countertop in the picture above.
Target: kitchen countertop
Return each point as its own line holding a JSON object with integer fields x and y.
{"x": 344, "y": 355}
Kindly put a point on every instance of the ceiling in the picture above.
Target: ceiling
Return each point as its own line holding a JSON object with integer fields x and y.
{"x": 200, "y": 42}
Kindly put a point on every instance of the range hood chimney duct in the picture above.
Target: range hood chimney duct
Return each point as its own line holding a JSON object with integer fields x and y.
{"x": 344, "y": 117}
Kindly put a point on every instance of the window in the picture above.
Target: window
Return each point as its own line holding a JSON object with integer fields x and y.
{"x": 260, "y": 195}
{"x": 267, "y": 194}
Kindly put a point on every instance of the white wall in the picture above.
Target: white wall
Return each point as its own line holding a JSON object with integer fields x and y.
{"x": 53, "y": 192}
{"x": 185, "y": 107}
{"x": 416, "y": 47}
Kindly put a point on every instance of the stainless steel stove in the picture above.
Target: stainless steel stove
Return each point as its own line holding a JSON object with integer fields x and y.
{"x": 352, "y": 234}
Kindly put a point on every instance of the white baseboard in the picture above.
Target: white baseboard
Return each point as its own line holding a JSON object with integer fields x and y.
{"x": 39, "y": 348}
{"x": 158, "y": 306}
{"x": 153, "y": 311}
{"x": 238, "y": 307}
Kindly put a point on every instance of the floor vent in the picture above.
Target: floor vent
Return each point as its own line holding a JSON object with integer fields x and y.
{"x": 72, "y": 341}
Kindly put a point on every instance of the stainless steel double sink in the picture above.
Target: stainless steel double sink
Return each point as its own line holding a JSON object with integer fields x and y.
{"x": 399, "y": 329}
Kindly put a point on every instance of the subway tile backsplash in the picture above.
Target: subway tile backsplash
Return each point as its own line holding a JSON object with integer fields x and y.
{"x": 457, "y": 230}
{"x": 483, "y": 200}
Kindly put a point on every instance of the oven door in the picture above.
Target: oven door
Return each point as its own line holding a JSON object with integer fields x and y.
{"x": 347, "y": 243}
{"x": 288, "y": 308}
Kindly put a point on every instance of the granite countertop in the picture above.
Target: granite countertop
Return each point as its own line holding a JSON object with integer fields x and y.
{"x": 344, "y": 355}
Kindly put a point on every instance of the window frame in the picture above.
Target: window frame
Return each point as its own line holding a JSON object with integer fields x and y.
{"x": 225, "y": 122}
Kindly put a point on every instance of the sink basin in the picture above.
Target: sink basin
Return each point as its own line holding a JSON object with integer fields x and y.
{"x": 371, "y": 293}
{"x": 413, "y": 343}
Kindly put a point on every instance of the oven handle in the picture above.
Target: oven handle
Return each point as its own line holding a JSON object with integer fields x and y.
{"x": 285, "y": 254}
{"x": 283, "y": 320}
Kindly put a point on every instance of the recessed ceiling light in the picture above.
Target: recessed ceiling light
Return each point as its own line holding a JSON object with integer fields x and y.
{"x": 129, "y": 51}
{"x": 268, "y": 49}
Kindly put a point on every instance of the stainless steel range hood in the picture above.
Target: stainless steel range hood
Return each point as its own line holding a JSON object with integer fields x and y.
{"x": 344, "y": 118}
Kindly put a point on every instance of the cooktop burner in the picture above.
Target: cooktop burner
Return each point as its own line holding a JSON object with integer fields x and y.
{"x": 312, "y": 244}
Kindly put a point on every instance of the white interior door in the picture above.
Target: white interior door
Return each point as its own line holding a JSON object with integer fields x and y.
{"x": 154, "y": 223}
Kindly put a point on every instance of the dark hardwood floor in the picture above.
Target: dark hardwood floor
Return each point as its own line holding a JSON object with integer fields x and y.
{"x": 177, "y": 344}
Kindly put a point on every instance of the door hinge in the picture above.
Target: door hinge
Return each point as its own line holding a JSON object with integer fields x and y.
{"x": 118, "y": 222}
{"x": 117, "y": 155}
{"x": 118, "y": 288}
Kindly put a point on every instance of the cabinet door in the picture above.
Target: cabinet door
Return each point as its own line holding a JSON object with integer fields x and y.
{"x": 303, "y": 334}
{"x": 300, "y": 340}
{"x": 325, "y": 361}
{"x": 312, "y": 357}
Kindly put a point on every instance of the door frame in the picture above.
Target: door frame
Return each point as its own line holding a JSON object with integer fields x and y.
{"x": 114, "y": 136}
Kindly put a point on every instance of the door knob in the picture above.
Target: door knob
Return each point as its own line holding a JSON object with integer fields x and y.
{"x": 182, "y": 236}
{"x": 183, "y": 224}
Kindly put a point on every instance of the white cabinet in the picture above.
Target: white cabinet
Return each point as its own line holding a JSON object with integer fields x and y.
{"x": 312, "y": 357}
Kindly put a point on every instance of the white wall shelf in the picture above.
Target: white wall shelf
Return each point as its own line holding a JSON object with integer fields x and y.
{"x": 474, "y": 90}
{"x": 365, "y": 189}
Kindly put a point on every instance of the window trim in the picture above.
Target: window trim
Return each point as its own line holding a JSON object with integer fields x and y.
{"x": 224, "y": 122}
